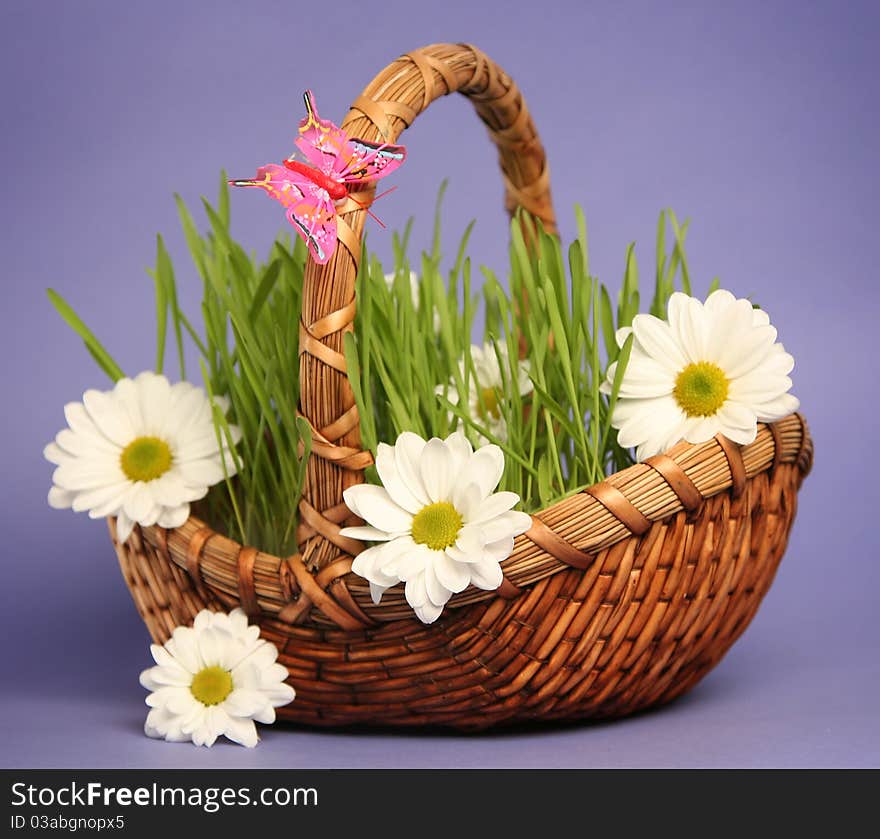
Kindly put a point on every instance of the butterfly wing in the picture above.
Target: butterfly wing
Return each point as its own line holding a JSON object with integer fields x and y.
{"x": 315, "y": 220}
{"x": 326, "y": 146}
{"x": 309, "y": 208}
{"x": 371, "y": 161}
{"x": 322, "y": 142}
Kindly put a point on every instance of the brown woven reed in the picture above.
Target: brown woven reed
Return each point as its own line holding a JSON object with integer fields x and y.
{"x": 620, "y": 597}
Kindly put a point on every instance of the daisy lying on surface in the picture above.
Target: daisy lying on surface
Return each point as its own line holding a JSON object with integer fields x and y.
{"x": 214, "y": 678}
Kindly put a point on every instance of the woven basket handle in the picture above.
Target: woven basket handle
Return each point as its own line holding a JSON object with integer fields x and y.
{"x": 388, "y": 105}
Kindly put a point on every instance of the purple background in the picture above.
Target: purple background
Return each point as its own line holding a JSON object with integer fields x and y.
{"x": 758, "y": 120}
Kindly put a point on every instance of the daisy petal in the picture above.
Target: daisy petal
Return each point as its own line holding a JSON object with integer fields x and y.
{"x": 687, "y": 321}
{"x": 243, "y": 702}
{"x": 243, "y": 732}
{"x": 776, "y": 409}
{"x": 660, "y": 413}
{"x": 370, "y": 564}
{"x": 375, "y": 505}
{"x": 452, "y": 575}
{"x": 124, "y": 526}
{"x": 436, "y": 471}
{"x": 495, "y": 505}
{"x": 655, "y": 336}
{"x": 203, "y": 472}
{"x": 719, "y": 301}
{"x": 61, "y": 499}
{"x": 500, "y": 550}
{"x": 460, "y": 449}
{"x": 114, "y": 424}
{"x": 376, "y": 592}
{"x": 467, "y": 497}
{"x": 469, "y": 543}
{"x": 487, "y": 465}
{"x": 486, "y": 575}
{"x": 438, "y": 594}
{"x": 511, "y": 523}
{"x": 386, "y": 466}
{"x": 700, "y": 429}
{"x": 366, "y": 534}
{"x": 171, "y": 517}
{"x": 416, "y": 591}
{"x": 427, "y": 613}
{"x": 645, "y": 378}
{"x": 407, "y": 455}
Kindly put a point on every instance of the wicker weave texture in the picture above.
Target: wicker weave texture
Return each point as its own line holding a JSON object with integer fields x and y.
{"x": 618, "y": 598}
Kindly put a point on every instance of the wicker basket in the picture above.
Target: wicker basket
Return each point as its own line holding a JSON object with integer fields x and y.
{"x": 618, "y": 598}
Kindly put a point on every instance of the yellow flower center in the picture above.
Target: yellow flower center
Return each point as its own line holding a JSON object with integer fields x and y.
{"x": 436, "y": 525}
{"x": 145, "y": 459}
{"x": 489, "y": 406}
{"x": 701, "y": 389}
{"x": 211, "y": 685}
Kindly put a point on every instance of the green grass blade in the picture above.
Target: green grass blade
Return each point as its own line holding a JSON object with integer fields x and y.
{"x": 160, "y": 285}
{"x": 264, "y": 289}
{"x": 223, "y": 199}
{"x": 93, "y": 345}
{"x": 438, "y": 207}
{"x": 606, "y": 316}
{"x": 619, "y": 371}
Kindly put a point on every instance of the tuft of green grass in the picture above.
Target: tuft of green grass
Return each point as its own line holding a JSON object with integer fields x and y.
{"x": 246, "y": 343}
{"x": 409, "y": 357}
{"x": 559, "y": 437}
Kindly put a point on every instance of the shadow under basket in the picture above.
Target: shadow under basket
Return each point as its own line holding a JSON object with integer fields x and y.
{"x": 618, "y": 598}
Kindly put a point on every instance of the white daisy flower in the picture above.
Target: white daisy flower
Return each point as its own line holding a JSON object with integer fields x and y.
{"x": 141, "y": 452}
{"x": 440, "y": 525}
{"x": 214, "y": 678}
{"x": 711, "y": 368}
{"x": 414, "y": 283}
{"x": 486, "y": 390}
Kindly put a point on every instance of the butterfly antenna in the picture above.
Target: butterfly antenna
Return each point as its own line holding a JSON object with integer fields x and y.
{"x": 375, "y": 218}
{"x": 383, "y": 194}
{"x": 366, "y": 207}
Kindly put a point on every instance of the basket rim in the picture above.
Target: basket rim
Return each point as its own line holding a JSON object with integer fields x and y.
{"x": 568, "y": 533}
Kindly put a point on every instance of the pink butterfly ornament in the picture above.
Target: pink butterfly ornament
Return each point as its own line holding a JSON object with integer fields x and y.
{"x": 310, "y": 190}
